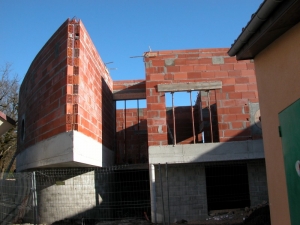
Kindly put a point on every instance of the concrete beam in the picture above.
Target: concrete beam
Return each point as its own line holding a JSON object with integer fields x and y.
{"x": 193, "y": 86}
{"x": 129, "y": 95}
{"x": 207, "y": 152}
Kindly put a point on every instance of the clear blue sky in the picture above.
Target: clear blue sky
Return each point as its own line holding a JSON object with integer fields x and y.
{"x": 121, "y": 28}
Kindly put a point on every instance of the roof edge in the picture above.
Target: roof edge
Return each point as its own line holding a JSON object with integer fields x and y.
{"x": 258, "y": 18}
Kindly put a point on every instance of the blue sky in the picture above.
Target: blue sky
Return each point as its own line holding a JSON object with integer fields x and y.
{"x": 121, "y": 28}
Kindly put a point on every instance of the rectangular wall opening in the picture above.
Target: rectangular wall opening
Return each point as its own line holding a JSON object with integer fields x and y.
{"x": 131, "y": 136}
{"x": 227, "y": 186}
{"x": 133, "y": 198}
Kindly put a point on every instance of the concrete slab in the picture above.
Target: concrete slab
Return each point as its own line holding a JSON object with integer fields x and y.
{"x": 70, "y": 149}
{"x": 207, "y": 152}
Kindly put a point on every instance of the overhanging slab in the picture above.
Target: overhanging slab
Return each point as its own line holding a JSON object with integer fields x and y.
{"x": 207, "y": 152}
{"x": 193, "y": 86}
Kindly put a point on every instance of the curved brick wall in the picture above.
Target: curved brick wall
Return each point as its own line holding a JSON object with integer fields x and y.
{"x": 64, "y": 90}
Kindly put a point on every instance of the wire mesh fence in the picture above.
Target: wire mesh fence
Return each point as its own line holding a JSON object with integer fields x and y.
{"x": 166, "y": 194}
{"x": 86, "y": 194}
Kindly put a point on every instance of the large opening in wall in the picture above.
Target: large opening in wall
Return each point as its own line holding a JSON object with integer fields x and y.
{"x": 195, "y": 116}
{"x": 182, "y": 117}
{"x": 227, "y": 186}
{"x": 131, "y": 132}
{"x": 133, "y": 199}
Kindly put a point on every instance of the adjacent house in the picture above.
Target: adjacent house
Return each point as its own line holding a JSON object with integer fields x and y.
{"x": 6, "y": 123}
{"x": 271, "y": 38}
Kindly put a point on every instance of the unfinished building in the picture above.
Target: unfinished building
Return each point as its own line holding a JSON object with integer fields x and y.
{"x": 68, "y": 118}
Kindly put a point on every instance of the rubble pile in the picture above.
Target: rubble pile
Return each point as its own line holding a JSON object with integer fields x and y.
{"x": 240, "y": 216}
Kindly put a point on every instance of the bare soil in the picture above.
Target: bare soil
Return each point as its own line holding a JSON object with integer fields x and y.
{"x": 254, "y": 216}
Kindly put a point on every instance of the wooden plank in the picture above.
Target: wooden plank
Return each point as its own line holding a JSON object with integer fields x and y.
{"x": 193, "y": 86}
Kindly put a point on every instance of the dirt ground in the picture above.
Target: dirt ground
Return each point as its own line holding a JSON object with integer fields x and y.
{"x": 254, "y": 216}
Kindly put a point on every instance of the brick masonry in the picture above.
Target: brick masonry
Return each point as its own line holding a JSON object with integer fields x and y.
{"x": 230, "y": 105}
{"x": 131, "y": 136}
{"x": 65, "y": 89}
{"x": 187, "y": 192}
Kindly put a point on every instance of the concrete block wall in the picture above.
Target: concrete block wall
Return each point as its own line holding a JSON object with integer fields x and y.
{"x": 257, "y": 177}
{"x": 187, "y": 192}
{"x": 131, "y": 137}
{"x": 200, "y": 65}
{"x": 57, "y": 202}
{"x": 67, "y": 87}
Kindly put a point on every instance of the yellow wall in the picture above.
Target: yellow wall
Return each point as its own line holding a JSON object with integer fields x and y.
{"x": 278, "y": 79}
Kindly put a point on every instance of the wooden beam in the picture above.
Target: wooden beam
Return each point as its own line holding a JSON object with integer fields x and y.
{"x": 193, "y": 86}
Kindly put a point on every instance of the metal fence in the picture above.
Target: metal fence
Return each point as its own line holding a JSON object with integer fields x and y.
{"x": 166, "y": 194}
{"x": 87, "y": 195}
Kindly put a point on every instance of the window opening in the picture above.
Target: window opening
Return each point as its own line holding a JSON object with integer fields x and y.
{"x": 181, "y": 117}
{"x": 23, "y": 129}
{"x": 131, "y": 132}
{"x": 227, "y": 186}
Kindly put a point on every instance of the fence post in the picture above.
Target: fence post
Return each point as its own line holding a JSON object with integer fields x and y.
{"x": 34, "y": 198}
{"x": 162, "y": 193}
{"x": 168, "y": 192}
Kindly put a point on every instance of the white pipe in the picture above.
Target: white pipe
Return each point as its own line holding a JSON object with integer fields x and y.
{"x": 152, "y": 193}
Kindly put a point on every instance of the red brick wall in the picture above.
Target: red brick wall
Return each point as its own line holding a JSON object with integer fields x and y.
{"x": 65, "y": 88}
{"x": 95, "y": 116}
{"x": 230, "y": 105}
{"x": 42, "y": 99}
{"x": 129, "y": 85}
{"x": 132, "y": 139}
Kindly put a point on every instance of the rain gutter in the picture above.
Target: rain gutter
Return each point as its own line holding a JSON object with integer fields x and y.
{"x": 257, "y": 19}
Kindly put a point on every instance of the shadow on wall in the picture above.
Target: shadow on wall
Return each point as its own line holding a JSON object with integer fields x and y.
{"x": 132, "y": 144}
{"x": 108, "y": 119}
{"x": 184, "y": 125}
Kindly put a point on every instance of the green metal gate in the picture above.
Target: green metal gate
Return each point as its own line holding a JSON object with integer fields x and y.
{"x": 290, "y": 134}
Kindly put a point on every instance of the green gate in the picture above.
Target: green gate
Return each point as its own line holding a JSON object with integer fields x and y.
{"x": 289, "y": 130}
